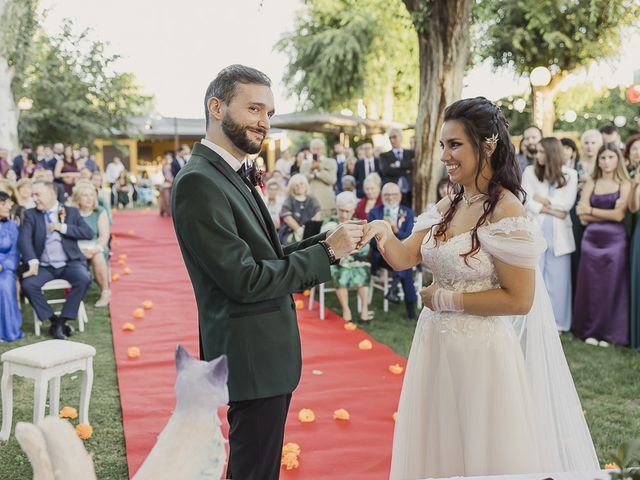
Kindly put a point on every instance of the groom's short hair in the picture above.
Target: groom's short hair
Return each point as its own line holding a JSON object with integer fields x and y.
{"x": 223, "y": 86}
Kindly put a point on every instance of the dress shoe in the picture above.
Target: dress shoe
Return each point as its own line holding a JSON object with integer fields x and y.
{"x": 393, "y": 295}
{"x": 411, "y": 311}
{"x": 56, "y": 331}
{"x": 68, "y": 330}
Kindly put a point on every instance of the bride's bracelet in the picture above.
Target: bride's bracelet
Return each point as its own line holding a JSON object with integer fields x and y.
{"x": 447, "y": 301}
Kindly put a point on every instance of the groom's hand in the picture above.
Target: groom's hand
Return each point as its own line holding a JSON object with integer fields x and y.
{"x": 344, "y": 239}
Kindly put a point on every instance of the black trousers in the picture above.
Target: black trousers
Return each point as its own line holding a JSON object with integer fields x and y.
{"x": 256, "y": 434}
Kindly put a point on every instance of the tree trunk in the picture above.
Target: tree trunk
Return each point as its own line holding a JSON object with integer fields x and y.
{"x": 444, "y": 49}
{"x": 8, "y": 109}
{"x": 544, "y": 108}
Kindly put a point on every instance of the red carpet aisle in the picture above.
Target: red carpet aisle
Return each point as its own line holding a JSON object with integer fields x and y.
{"x": 336, "y": 374}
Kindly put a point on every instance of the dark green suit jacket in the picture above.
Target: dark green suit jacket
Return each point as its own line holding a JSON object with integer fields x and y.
{"x": 242, "y": 277}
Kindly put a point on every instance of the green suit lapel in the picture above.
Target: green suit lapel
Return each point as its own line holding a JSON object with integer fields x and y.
{"x": 247, "y": 191}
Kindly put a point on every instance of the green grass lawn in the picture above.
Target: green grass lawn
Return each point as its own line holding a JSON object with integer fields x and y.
{"x": 607, "y": 379}
{"x": 107, "y": 443}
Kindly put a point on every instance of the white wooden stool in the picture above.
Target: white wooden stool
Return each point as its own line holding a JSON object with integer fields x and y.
{"x": 46, "y": 362}
{"x": 60, "y": 284}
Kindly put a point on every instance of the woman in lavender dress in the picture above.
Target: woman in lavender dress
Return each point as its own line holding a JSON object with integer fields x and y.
{"x": 10, "y": 317}
{"x": 602, "y": 294}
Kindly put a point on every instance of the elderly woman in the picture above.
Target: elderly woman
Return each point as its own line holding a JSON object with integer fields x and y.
{"x": 322, "y": 174}
{"x": 372, "y": 186}
{"x": 352, "y": 271}
{"x": 10, "y": 317}
{"x": 23, "y": 193}
{"x": 96, "y": 250}
{"x": 298, "y": 210}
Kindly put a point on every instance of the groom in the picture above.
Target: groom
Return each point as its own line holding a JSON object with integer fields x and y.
{"x": 242, "y": 277}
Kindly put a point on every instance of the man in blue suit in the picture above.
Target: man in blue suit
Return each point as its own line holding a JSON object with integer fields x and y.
{"x": 364, "y": 167}
{"x": 48, "y": 243}
{"x": 401, "y": 219}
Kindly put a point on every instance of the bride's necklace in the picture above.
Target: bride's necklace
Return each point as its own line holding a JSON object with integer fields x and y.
{"x": 475, "y": 198}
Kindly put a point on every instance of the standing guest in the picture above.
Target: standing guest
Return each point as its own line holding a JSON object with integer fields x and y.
{"x": 48, "y": 243}
{"x": 365, "y": 166}
{"x": 114, "y": 168}
{"x": 146, "y": 192}
{"x": 23, "y": 193}
{"x": 610, "y": 134}
{"x": 242, "y": 277}
{"x": 397, "y": 165}
{"x": 298, "y": 210}
{"x": 67, "y": 170}
{"x": 602, "y": 291}
{"x": 372, "y": 197}
{"x": 321, "y": 175}
{"x": 634, "y": 207}
{"x": 274, "y": 200}
{"x": 353, "y": 271}
{"x": 571, "y": 153}
{"x": 30, "y": 166}
{"x": 179, "y": 161}
{"x": 5, "y": 166}
{"x": 350, "y": 162}
{"x": 530, "y": 138}
{"x": 297, "y": 164}
{"x": 401, "y": 219}
{"x": 10, "y": 316}
{"x": 20, "y": 159}
{"x": 341, "y": 158}
{"x": 58, "y": 151}
{"x": 103, "y": 195}
{"x": 84, "y": 174}
{"x": 591, "y": 141}
{"x": 96, "y": 250}
{"x": 551, "y": 191}
{"x": 89, "y": 161}
{"x": 39, "y": 153}
{"x": 285, "y": 163}
{"x": 49, "y": 161}
{"x": 165, "y": 189}
{"x": 348, "y": 184}
{"x": 632, "y": 155}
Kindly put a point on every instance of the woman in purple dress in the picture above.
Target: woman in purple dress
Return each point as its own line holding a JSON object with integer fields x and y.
{"x": 10, "y": 317}
{"x": 601, "y": 312}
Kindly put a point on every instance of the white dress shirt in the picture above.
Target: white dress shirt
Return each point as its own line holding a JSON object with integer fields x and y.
{"x": 227, "y": 157}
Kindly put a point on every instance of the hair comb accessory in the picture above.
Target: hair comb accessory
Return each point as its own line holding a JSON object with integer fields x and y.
{"x": 492, "y": 140}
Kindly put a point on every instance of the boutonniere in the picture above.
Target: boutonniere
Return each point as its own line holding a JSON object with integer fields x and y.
{"x": 255, "y": 175}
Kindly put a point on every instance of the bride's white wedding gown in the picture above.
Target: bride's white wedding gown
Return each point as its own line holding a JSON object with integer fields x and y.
{"x": 487, "y": 395}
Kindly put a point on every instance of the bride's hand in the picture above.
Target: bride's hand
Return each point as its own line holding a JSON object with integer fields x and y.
{"x": 378, "y": 229}
{"x": 427, "y": 295}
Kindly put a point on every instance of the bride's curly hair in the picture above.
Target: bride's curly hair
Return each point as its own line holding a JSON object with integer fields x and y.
{"x": 481, "y": 120}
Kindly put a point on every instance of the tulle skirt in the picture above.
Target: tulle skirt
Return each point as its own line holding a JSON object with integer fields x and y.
{"x": 466, "y": 407}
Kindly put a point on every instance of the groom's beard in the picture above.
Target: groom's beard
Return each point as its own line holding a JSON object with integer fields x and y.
{"x": 239, "y": 137}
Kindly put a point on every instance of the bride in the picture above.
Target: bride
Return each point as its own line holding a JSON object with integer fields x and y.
{"x": 487, "y": 389}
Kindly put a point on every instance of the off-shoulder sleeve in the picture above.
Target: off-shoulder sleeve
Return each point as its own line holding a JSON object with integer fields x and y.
{"x": 517, "y": 241}
{"x": 427, "y": 219}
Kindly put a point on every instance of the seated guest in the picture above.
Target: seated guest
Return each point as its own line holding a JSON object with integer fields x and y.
{"x": 48, "y": 243}
{"x": 400, "y": 218}
{"x": 85, "y": 174}
{"x": 30, "y": 166}
{"x": 123, "y": 190}
{"x": 146, "y": 192}
{"x": 23, "y": 193}
{"x": 46, "y": 175}
{"x": 352, "y": 271}
{"x": 274, "y": 201}
{"x": 348, "y": 183}
{"x": 298, "y": 209}
{"x": 67, "y": 171}
{"x": 371, "y": 197}
{"x": 104, "y": 196}
{"x": 10, "y": 316}
{"x": 96, "y": 250}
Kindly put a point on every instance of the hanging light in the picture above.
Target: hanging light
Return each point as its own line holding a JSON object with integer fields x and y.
{"x": 540, "y": 77}
{"x": 519, "y": 104}
{"x": 570, "y": 116}
{"x": 620, "y": 121}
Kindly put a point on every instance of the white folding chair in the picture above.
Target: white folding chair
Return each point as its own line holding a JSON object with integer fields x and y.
{"x": 59, "y": 284}
{"x": 382, "y": 280}
{"x": 321, "y": 291}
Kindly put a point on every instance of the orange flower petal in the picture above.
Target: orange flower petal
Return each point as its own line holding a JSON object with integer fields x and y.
{"x": 128, "y": 327}
{"x": 365, "y": 345}
{"x": 291, "y": 448}
{"x": 68, "y": 412}
{"x": 147, "y": 304}
{"x": 126, "y": 270}
{"x": 133, "y": 352}
{"x": 341, "y": 414}
{"x": 306, "y": 293}
{"x": 394, "y": 416}
{"x": 299, "y": 304}
{"x": 138, "y": 313}
{"x": 350, "y": 326}
{"x": 290, "y": 461}
{"x": 396, "y": 369}
{"x": 306, "y": 415}
{"x": 84, "y": 431}
{"x": 611, "y": 466}
{"x": 121, "y": 262}
{"x": 115, "y": 277}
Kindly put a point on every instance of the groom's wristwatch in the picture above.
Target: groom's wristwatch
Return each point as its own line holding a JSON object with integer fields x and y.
{"x": 330, "y": 253}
